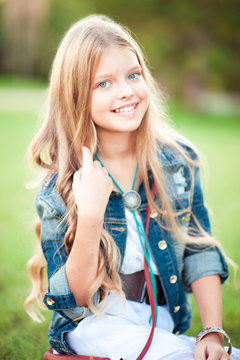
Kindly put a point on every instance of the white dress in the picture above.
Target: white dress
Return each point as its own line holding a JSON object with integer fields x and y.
{"x": 124, "y": 329}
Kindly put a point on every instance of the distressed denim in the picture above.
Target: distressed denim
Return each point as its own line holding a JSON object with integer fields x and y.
{"x": 178, "y": 265}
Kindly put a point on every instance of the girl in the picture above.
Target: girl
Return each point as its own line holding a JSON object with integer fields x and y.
{"x": 106, "y": 143}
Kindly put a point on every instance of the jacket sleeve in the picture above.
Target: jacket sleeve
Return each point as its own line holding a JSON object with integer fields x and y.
{"x": 52, "y": 212}
{"x": 201, "y": 261}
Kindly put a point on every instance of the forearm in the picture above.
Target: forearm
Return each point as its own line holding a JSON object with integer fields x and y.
{"x": 91, "y": 189}
{"x": 208, "y": 295}
{"x": 82, "y": 263}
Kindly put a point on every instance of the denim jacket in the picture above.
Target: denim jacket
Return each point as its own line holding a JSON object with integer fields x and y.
{"x": 178, "y": 266}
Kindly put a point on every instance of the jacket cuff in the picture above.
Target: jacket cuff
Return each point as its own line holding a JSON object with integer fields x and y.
{"x": 60, "y": 298}
{"x": 204, "y": 263}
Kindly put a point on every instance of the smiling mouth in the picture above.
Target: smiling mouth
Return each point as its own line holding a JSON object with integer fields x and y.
{"x": 126, "y": 109}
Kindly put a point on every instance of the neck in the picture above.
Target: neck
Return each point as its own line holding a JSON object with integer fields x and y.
{"x": 118, "y": 154}
{"x": 117, "y": 145}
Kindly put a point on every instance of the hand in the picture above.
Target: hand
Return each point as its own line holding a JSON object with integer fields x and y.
{"x": 210, "y": 347}
{"x": 91, "y": 186}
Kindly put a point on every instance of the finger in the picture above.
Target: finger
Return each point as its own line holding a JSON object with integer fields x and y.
{"x": 105, "y": 171}
{"x": 97, "y": 165}
{"x": 225, "y": 356}
{"x": 199, "y": 353}
{"x": 77, "y": 177}
{"x": 216, "y": 355}
{"x": 199, "y": 356}
{"x": 87, "y": 160}
{"x": 77, "y": 174}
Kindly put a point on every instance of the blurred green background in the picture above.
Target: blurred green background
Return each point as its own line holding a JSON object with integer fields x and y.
{"x": 193, "y": 51}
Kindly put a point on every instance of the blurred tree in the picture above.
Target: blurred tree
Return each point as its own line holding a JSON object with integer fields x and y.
{"x": 191, "y": 45}
{"x": 23, "y": 22}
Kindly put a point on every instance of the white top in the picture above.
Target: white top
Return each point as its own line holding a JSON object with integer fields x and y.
{"x": 123, "y": 330}
{"x": 133, "y": 260}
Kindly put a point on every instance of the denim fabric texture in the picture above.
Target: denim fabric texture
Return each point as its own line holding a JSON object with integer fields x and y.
{"x": 178, "y": 266}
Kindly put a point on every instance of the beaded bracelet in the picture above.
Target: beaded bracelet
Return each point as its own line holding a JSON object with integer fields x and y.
{"x": 211, "y": 329}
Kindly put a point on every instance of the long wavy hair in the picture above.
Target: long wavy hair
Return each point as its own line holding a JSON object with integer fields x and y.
{"x": 68, "y": 126}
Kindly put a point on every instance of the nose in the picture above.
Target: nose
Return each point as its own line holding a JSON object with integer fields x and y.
{"x": 125, "y": 91}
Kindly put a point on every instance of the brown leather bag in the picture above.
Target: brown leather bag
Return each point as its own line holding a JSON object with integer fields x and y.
{"x": 50, "y": 356}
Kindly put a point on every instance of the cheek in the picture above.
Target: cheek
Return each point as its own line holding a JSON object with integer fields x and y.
{"x": 97, "y": 105}
{"x": 143, "y": 91}
{"x": 144, "y": 94}
{"x": 100, "y": 103}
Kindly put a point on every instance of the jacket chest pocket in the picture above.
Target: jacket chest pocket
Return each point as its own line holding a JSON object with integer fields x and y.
{"x": 115, "y": 227}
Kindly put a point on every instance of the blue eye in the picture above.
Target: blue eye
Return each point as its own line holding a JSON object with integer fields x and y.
{"x": 133, "y": 76}
{"x": 103, "y": 84}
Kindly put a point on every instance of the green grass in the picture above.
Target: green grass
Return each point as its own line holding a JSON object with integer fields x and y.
{"x": 217, "y": 138}
{"x": 13, "y": 82}
{"x": 21, "y": 338}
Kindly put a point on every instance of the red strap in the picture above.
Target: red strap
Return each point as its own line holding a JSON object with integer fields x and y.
{"x": 149, "y": 284}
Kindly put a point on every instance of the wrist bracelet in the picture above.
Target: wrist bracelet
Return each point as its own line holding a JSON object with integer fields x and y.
{"x": 216, "y": 329}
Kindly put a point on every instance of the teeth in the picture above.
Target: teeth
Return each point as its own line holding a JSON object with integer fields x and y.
{"x": 126, "y": 109}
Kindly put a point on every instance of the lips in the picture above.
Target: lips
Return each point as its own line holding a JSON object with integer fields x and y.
{"x": 126, "y": 108}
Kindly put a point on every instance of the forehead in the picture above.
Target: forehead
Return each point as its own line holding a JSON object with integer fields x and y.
{"x": 115, "y": 58}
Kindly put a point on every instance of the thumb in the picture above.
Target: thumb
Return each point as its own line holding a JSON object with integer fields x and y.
{"x": 87, "y": 159}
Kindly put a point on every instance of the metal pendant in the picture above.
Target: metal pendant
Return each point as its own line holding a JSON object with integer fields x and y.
{"x": 132, "y": 200}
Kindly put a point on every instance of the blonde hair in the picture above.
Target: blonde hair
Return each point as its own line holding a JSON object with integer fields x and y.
{"x": 68, "y": 127}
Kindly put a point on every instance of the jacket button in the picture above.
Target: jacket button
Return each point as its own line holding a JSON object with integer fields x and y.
{"x": 176, "y": 309}
{"x": 162, "y": 245}
{"x": 154, "y": 214}
{"x": 50, "y": 301}
{"x": 186, "y": 218}
{"x": 173, "y": 279}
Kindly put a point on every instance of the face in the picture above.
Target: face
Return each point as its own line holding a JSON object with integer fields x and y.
{"x": 120, "y": 94}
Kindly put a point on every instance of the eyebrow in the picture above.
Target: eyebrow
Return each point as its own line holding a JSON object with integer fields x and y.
{"x": 103, "y": 76}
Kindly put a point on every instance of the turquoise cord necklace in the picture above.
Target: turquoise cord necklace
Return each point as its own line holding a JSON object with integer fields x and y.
{"x": 132, "y": 202}
{"x": 131, "y": 199}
